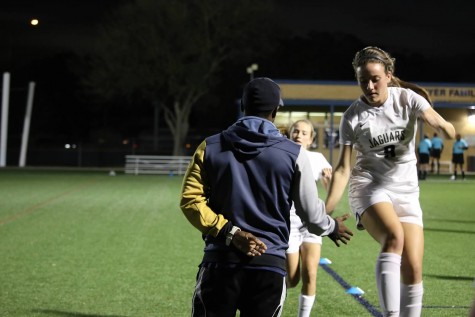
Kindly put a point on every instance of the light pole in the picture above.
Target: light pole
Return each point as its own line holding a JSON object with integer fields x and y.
{"x": 251, "y": 69}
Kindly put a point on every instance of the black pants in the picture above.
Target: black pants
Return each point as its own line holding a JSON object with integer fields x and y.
{"x": 220, "y": 292}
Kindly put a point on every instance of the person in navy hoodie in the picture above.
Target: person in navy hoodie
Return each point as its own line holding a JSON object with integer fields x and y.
{"x": 238, "y": 191}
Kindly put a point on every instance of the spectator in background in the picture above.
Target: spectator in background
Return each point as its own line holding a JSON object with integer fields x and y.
{"x": 458, "y": 160}
{"x": 424, "y": 155}
{"x": 436, "y": 151}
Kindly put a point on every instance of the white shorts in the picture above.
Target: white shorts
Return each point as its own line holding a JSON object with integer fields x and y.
{"x": 299, "y": 236}
{"x": 406, "y": 205}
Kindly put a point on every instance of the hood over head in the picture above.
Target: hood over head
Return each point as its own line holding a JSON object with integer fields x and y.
{"x": 250, "y": 136}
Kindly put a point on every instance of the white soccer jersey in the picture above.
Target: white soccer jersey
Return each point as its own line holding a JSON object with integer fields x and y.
{"x": 384, "y": 140}
{"x": 318, "y": 162}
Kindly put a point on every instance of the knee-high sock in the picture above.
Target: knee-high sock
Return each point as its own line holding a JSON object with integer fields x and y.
{"x": 411, "y": 300}
{"x": 388, "y": 273}
{"x": 305, "y": 305}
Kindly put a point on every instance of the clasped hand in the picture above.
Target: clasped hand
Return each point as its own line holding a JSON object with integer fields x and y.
{"x": 248, "y": 243}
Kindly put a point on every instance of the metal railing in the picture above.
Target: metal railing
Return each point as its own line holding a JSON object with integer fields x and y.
{"x": 160, "y": 165}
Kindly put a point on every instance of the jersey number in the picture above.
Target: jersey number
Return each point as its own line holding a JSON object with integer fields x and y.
{"x": 389, "y": 151}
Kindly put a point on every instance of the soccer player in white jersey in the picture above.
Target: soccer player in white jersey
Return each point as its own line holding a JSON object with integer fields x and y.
{"x": 383, "y": 191}
{"x": 303, "y": 254}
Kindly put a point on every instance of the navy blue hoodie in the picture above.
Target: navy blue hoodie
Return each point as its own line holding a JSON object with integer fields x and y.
{"x": 250, "y": 175}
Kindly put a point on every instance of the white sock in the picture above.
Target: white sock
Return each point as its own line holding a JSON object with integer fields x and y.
{"x": 411, "y": 300}
{"x": 305, "y": 305}
{"x": 388, "y": 274}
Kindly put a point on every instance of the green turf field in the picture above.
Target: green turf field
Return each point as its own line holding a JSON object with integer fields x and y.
{"x": 86, "y": 244}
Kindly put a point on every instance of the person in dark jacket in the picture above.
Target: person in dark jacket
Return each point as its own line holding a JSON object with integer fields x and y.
{"x": 238, "y": 191}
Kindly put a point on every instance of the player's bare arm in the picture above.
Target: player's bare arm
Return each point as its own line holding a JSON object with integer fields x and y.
{"x": 341, "y": 175}
{"x": 436, "y": 121}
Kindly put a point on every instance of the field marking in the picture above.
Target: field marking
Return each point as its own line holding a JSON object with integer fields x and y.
{"x": 370, "y": 308}
{"x": 439, "y": 307}
{"x": 35, "y": 207}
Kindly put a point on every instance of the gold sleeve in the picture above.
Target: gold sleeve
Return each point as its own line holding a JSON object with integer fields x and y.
{"x": 193, "y": 200}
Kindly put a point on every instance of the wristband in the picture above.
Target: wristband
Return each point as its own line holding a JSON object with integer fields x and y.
{"x": 230, "y": 235}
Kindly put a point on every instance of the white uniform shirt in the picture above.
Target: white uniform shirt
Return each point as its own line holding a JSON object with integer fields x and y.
{"x": 384, "y": 140}
{"x": 318, "y": 162}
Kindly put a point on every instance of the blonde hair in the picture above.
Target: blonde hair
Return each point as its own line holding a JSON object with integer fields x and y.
{"x": 372, "y": 54}
{"x": 307, "y": 121}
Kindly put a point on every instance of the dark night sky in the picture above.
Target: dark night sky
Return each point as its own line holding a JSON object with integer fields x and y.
{"x": 63, "y": 26}
{"x": 427, "y": 27}
{"x": 424, "y": 27}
